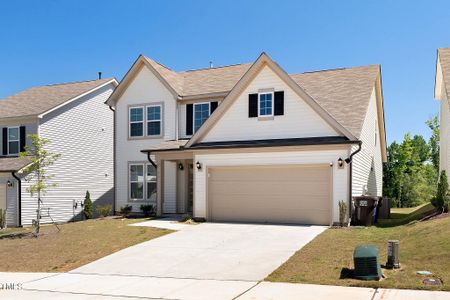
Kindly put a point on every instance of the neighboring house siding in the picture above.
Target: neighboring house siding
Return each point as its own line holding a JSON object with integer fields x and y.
{"x": 340, "y": 176}
{"x": 299, "y": 119}
{"x": 11, "y": 199}
{"x": 82, "y": 132}
{"x": 367, "y": 164}
{"x": 444, "y": 154}
{"x": 144, "y": 89}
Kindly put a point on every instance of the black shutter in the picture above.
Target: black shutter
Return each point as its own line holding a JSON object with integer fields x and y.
{"x": 23, "y": 138}
{"x": 213, "y": 107}
{"x": 252, "y": 105}
{"x": 189, "y": 116}
{"x": 279, "y": 103}
{"x": 5, "y": 141}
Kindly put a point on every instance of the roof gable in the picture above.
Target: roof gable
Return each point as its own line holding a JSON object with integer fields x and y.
{"x": 442, "y": 80}
{"x": 263, "y": 61}
{"x": 40, "y": 100}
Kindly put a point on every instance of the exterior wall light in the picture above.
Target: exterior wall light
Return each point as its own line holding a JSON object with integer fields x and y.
{"x": 180, "y": 166}
{"x": 9, "y": 183}
{"x": 340, "y": 163}
{"x": 198, "y": 165}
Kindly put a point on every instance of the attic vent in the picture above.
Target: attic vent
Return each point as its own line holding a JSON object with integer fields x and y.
{"x": 99, "y": 75}
{"x": 367, "y": 263}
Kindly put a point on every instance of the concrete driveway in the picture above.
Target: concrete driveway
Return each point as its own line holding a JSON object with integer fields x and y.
{"x": 205, "y": 261}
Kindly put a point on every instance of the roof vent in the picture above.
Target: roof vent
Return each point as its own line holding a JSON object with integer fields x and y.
{"x": 99, "y": 75}
{"x": 211, "y": 64}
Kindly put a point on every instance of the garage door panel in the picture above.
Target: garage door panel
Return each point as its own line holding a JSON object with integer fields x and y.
{"x": 280, "y": 194}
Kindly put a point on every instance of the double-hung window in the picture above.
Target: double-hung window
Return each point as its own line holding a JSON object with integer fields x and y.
{"x": 154, "y": 120}
{"x": 201, "y": 114}
{"x": 137, "y": 182}
{"x": 151, "y": 182}
{"x": 265, "y": 104}
{"x": 13, "y": 140}
{"x": 136, "y": 115}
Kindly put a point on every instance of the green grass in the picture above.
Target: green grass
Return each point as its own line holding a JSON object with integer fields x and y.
{"x": 400, "y": 216}
{"x": 75, "y": 245}
{"x": 328, "y": 259}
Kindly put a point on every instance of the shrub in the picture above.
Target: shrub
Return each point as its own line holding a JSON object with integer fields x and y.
{"x": 441, "y": 201}
{"x": 104, "y": 210}
{"x": 2, "y": 218}
{"x": 342, "y": 212}
{"x": 88, "y": 208}
{"x": 147, "y": 209}
{"x": 126, "y": 210}
{"x": 186, "y": 217}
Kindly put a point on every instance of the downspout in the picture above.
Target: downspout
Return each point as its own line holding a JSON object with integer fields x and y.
{"x": 151, "y": 160}
{"x": 19, "y": 197}
{"x": 114, "y": 157}
{"x": 350, "y": 181}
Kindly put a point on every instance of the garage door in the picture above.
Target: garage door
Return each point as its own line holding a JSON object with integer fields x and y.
{"x": 274, "y": 194}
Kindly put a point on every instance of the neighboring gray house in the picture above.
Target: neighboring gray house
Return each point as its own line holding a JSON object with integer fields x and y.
{"x": 79, "y": 125}
{"x": 248, "y": 142}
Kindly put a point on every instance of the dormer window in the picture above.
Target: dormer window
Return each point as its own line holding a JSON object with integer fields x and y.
{"x": 265, "y": 104}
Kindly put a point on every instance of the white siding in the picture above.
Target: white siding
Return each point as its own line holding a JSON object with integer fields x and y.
{"x": 11, "y": 199}
{"x": 170, "y": 187}
{"x": 144, "y": 89}
{"x": 82, "y": 132}
{"x": 444, "y": 155}
{"x": 367, "y": 164}
{"x": 299, "y": 119}
{"x": 340, "y": 176}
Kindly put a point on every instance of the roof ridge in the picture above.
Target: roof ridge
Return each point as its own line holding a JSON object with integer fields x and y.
{"x": 336, "y": 69}
{"x": 157, "y": 62}
{"x": 225, "y": 66}
{"x": 74, "y": 82}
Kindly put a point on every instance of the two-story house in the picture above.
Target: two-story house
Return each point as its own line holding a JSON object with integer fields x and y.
{"x": 79, "y": 126}
{"x": 248, "y": 142}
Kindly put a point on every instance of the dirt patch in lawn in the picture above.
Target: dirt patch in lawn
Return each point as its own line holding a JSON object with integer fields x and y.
{"x": 75, "y": 245}
{"x": 328, "y": 259}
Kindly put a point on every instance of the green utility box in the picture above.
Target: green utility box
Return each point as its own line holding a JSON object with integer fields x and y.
{"x": 367, "y": 262}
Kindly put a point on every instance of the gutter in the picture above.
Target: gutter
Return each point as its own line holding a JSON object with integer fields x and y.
{"x": 19, "y": 197}
{"x": 350, "y": 181}
{"x": 114, "y": 157}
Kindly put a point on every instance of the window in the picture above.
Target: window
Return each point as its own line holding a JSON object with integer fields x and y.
{"x": 265, "y": 104}
{"x": 151, "y": 182}
{"x": 13, "y": 140}
{"x": 201, "y": 114}
{"x": 154, "y": 120}
{"x": 136, "y": 121}
{"x": 137, "y": 182}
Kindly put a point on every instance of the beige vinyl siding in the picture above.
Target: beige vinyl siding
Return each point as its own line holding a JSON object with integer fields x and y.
{"x": 289, "y": 158}
{"x": 367, "y": 164}
{"x": 444, "y": 154}
{"x": 299, "y": 119}
{"x": 144, "y": 89}
{"x": 82, "y": 132}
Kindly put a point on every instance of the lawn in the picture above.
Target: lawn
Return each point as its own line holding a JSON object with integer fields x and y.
{"x": 75, "y": 245}
{"x": 328, "y": 259}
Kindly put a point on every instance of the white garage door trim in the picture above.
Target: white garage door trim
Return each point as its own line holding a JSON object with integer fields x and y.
{"x": 209, "y": 214}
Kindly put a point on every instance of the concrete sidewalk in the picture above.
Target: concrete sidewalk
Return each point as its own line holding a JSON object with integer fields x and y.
{"x": 85, "y": 286}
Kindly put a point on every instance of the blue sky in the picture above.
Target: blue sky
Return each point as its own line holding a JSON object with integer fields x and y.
{"x": 43, "y": 42}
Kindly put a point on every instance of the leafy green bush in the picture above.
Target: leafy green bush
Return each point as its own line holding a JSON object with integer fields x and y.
{"x": 126, "y": 210}
{"x": 2, "y": 218}
{"x": 441, "y": 201}
{"x": 88, "y": 208}
{"x": 186, "y": 217}
{"x": 104, "y": 210}
{"x": 342, "y": 212}
{"x": 147, "y": 209}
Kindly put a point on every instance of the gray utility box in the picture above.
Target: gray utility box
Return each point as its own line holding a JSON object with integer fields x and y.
{"x": 393, "y": 261}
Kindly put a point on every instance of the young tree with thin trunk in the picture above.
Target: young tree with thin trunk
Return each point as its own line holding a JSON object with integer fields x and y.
{"x": 36, "y": 172}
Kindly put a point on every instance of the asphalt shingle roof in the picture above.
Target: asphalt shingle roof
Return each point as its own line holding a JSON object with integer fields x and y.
{"x": 12, "y": 164}
{"x": 37, "y": 100}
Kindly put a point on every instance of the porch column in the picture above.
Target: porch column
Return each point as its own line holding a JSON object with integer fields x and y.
{"x": 159, "y": 186}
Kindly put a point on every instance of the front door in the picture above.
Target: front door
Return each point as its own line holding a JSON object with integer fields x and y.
{"x": 190, "y": 199}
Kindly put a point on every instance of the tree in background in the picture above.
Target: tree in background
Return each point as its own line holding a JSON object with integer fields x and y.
{"x": 410, "y": 172}
{"x": 36, "y": 172}
{"x": 433, "y": 124}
